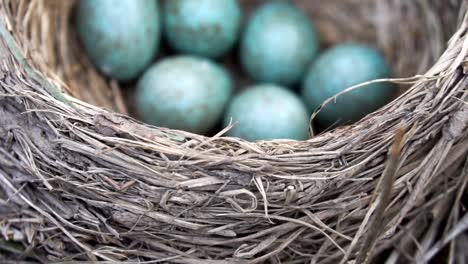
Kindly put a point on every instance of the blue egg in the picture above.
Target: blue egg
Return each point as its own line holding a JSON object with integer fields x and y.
{"x": 265, "y": 112}
{"x": 119, "y": 37}
{"x": 206, "y": 28}
{"x": 341, "y": 67}
{"x": 278, "y": 44}
{"x": 183, "y": 92}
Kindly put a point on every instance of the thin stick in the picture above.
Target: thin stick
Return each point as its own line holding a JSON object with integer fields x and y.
{"x": 375, "y": 225}
{"x": 458, "y": 229}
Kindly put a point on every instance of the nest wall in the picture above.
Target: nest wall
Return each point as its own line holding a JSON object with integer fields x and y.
{"x": 80, "y": 180}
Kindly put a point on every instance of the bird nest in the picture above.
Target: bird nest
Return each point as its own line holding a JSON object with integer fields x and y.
{"x": 82, "y": 181}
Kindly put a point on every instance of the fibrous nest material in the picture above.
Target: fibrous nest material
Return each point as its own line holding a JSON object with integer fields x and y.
{"x": 80, "y": 182}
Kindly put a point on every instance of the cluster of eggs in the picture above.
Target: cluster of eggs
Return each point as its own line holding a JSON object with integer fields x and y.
{"x": 278, "y": 50}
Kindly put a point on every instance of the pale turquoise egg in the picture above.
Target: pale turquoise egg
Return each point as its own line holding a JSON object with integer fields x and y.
{"x": 265, "y": 112}
{"x": 278, "y": 44}
{"x": 183, "y": 92}
{"x": 207, "y": 28}
{"x": 341, "y": 67}
{"x": 119, "y": 37}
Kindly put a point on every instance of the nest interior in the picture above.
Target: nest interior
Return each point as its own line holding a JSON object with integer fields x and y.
{"x": 82, "y": 183}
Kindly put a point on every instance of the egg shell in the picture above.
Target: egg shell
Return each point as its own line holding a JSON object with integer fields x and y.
{"x": 278, "y": 44}
{"x": 266, "y": 112}
{"x": 119, "y": 37}
{"x": 206, "y": 28}
{"x": 183, "y": 92}
{"x": 341, "y": 67}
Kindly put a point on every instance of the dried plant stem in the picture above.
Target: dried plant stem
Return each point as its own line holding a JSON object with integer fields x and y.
{"x": 377, "y": 222}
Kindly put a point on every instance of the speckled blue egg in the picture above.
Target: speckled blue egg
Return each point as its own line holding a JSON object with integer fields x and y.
{"x": 183, "y": 92}
{"x": 278, "y": 44}
{"x": 206, "y": 28}
{"x": 119, "y": 37}
{"x": 341, "y": 67}
{"x": 265, "y": 112}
